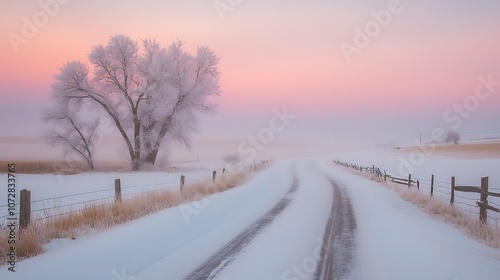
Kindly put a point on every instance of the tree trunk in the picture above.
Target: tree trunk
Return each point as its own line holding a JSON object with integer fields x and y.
{"x": 137, "y": 141}
{"x": 135, "y": 164}
{"x": 150, "y": 157}
{"x": 90, "y": 163}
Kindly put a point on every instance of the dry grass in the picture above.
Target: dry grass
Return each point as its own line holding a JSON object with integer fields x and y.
{"x": 41, "y": 167}
{"x": 28, "y": 243}
{"x": 479, "y": 149}
{"x": 101, "y": 216}
{"x": 446, "y": 211}
{"x": 70, "y": 168}
{"x": 471, "y": 226}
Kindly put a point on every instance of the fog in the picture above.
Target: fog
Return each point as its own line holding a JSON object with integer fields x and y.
{"x": 222, "y": 134}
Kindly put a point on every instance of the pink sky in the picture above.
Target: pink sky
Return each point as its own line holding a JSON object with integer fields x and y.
{"x": 276, "y": 54}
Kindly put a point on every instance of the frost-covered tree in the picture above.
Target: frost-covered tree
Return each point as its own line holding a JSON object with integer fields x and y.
{"x": 152, "y": 93}
{"x": 452, "y": 137}
{"x": 75, "y": 133}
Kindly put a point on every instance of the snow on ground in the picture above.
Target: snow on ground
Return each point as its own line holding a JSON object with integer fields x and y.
{"x": 467, "y": 171}
{"x": 166, "y": 245}
{"x": 57, "y": 194}
{"x": 396, "y": 240}
{"x": 292, "y": 237}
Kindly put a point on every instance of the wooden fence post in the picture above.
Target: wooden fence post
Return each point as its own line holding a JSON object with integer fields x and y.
{"x": 418, "y": 184}
{"x": 452, "y": 199}
{"x": 432, "y": 185}
{"x": 223, "y": 170}
{"x": 483, "y": 215}
{"x": 182, "y": 182}
{"x": 118, "y": 191}
{"x": 385, "y": 176}
{"x": 24, "y": 209}
{"x": 213, "y": 175}
{"x": 409, "y": 180}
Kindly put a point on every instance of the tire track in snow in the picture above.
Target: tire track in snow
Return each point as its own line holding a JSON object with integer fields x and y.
{"x": 338, "y": 241}
{"x": 225, "y": 256}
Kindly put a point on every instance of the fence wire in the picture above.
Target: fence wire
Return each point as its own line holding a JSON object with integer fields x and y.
{"x": 442, "y": 189}
{"x": 54, "y": 204}
{"x": 69, "y": 195}
{"x": 95, "y": 202}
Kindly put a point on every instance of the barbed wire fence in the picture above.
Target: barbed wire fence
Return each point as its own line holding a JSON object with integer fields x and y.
{"x": 444, "y": 190}
{"x": 54, "y": 207}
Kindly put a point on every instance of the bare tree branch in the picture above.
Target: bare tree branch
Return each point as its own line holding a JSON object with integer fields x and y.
{"x": 151, "y": 95}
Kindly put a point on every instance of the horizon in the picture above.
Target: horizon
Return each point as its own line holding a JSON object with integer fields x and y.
{"x": 416, "y": 73}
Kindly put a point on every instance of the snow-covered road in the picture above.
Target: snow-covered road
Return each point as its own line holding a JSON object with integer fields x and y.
{"x": 299, "y": 219}
{"x": 308, "y": 234}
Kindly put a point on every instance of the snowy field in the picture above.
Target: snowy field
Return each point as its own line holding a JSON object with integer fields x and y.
{"x": 393, "y": 238}
{"x": 53, "y": 195}
{"x": 467, "y": 170}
